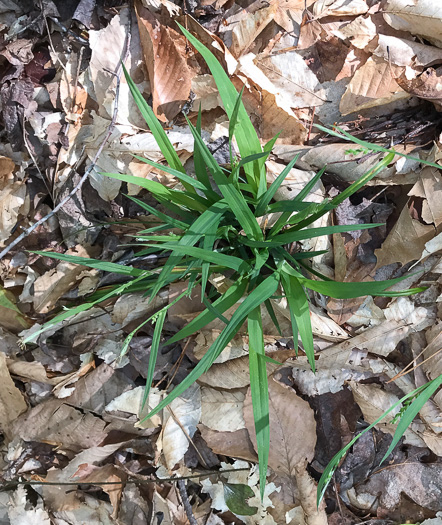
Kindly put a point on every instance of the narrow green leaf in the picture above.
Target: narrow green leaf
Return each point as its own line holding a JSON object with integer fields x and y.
{"x": 298, "y": 304}
{"x": 162, "y": 216}
{"x": 260, "y": 393}
{"x": 269, "y": 194}
{"x": 262, "y": 292}
{"x": 104, "y": 266}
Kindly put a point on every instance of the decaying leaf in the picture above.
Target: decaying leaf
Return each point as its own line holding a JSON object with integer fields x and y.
{"x": 372, "y": 85}
{"x": 292, "y": 428}
{"x": 222, "y": 410}
{"x": 180, "y": 419}
{"x": 233, "y": 444}
{"x": 169, "y": 73}
{"x": 12, "y": 403}
{"x": 423, "y": 17}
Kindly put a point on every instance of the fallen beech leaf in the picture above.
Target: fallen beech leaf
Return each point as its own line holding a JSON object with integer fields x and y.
{"x": 373, "y": 401}
{"x": 12, "y": 403}
{"x": 292, "y": 428}
{"x": 242, "y": 26}
{"x": 405, "y": 242}
{"x": 422, "y": 17}
{"x": 323, "y": 8}
{"x": 234, "y": 374}
{"x": 164, "y": 55}
{"x": 313, "y": 514}
{"x": 180, "y": 419}
{"x": 372, "y": 85}
{"x": 427, "y": 86}
{"x": 50, "y": 286}
{"x": 222, "y": 410}
{"x": 233, "y": 444}
{"x": 403, "y": 52}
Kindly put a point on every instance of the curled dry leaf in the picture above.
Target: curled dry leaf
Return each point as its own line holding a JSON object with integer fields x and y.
{"x": 405, "y": 242}
{"x": 313, "y": 515}
{"x": 165, "y": 58}
{"x": 292, "y": 428}
{"x": 427, "y": 86}
{"x": 401, "y": 52}
{"x": 423, "y": 17}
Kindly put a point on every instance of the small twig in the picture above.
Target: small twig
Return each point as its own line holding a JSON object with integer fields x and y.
{"x": 186, "y": 503}
{"x": 15, "y": 484}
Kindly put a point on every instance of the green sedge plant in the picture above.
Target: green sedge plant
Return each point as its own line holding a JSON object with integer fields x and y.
{"x": 217, "y": 225}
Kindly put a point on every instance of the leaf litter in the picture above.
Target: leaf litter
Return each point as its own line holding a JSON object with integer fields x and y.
{"x": 70, "y": 405}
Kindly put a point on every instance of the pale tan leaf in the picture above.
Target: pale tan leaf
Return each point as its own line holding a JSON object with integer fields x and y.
{"x": 49, "y": 287}
{"x": 20, "y": 512}
{"x": 372, "y": 85}
{"x": 55, "y": 422}
{"x": 323, "y": 8}
{"x": 433, "y": 352}
{"x": 429, "y": 188}
{"x": 405, "y": 242}
{"x": 169, "y": 73}
{"x": 13, "y": 202}
{"x": 313, "y": 514}
{"x": 423, "y": 17}
{"x": 403, "y": 52}
{"x": 179, "y": 424}
{"x": 292, "y": 428}
{"x": 289, "y": 13}
{"x": 373, "y": 401}
{"x": 360, "y": 31}
{"x": 12, "y": 403}
{"x": 234, "y": 374}
{"x": 206, "y": 92}
{"x": 232, "y": 444}
{"x": 222, "y": 410}
{"x": 243, "y": 26}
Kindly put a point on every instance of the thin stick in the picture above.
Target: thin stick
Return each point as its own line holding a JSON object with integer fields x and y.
{"x": 186, "y": 503}
{"x": 14, "y": 484}
{"x": 81, "y": 181}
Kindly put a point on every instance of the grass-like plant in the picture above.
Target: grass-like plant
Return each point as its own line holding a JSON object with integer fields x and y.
{"x": 217, "y": 225}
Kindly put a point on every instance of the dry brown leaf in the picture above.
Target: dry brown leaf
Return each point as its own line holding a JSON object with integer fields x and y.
{"x": 55, "y": 422}
{"x": 292, "y": 428}
{"x": 372, "y": 85}
{"x": 401, "y": 52}
{"x": 313, "y": 514}
{"x": 180, "y": 419}
{"x": 429, "y": 188}
{"x": 433, "y": 352}
{"x": 12, "y": 403}
{"x": 289, "y": 13}
{"x": 13, "y": 198}
{"x": 242, "y": 26}
{"x": 232, "y": 444}
{"x": 222, "y": 410}
{"x": 427, "y": 86}
{"x": 234, "y": 374}
{"x": 360, "y": 31}
{"x": 405, "y": 242}
{"x": 49, "y": 287}
{"x": 88, "y": 473}
{"x": 323, "y": 8}
{"x": 422, "y": 17}
{"x": 373, "y": 401}
{"x": 164, "y": 55}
